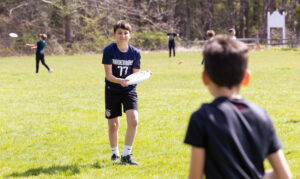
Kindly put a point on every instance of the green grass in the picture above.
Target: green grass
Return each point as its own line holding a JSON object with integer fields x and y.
{"x": 53, "y": 125}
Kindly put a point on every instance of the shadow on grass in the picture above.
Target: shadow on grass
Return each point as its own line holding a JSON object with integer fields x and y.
{"x": 67, "y": 170}
{"x": 293, "y": 121}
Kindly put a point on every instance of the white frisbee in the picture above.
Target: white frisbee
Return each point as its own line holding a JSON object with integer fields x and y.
{"x": 138, "y": 77}
{"x": 14, "y": 35}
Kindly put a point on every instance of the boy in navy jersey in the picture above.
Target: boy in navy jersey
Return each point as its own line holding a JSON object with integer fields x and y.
{"x": 40, "y": 53}
{"x": 121, "y": 59}
{"x": 231, "y": 137}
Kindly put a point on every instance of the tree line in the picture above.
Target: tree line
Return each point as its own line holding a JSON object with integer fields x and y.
{"x": 81, "y": 26}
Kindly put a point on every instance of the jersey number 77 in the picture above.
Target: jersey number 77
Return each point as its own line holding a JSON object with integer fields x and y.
{"x": 123, "y": 68}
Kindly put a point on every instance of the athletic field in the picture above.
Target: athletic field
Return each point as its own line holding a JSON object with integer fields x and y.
{"x": 53, "y": 125}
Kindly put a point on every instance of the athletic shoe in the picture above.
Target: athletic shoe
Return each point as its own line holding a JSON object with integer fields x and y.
{"x": 128, "y": 160}
{"x": 115, "y": 158}
{"x": 50, "y": 70}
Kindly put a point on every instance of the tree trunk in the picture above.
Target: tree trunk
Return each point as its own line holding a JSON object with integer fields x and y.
{"x": 170, "y": 12}
{"x": 138, "y": 5}
{"x": 298, "y": 24}
{"x": 153, "y": 10}
{"x": 240, "y": 30}
{"x": 68, "y": 21}
{"x": 292, "y": 14}
{"x": 187, "y": 20}
{"x": 283, "y": 6}
{"x": 263, "y": 27}
{"x": 231, "y": 13}
{"x": 202, "y": 18}
{"x": 211, "y": 9}
{"x": 247, "y": 10}
{"x": 273, "y": 5}
{"x": 256, "y": 7}
{"x": 208, "y": 14}
{"x": 179, "y": 15}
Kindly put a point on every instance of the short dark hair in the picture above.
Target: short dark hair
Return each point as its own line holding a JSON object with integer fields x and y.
{"x": 231, "y": 30}
{"x": 43, "y": 36}
{"x": 210, "y": 33}
{"x": 123, "y": 25}
{"x": 225, "y": 61}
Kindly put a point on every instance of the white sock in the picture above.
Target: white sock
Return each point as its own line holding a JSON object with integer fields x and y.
{"x": 127, "y": 150}
{"x": 115, "y": 150}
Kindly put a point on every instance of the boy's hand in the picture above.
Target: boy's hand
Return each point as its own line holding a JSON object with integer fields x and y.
{"x": 149, "y": 71}
{"x": 123, "y": 82}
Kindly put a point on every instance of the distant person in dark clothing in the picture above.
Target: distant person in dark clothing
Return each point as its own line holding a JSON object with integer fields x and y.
{"x": 40, "y": 52}
{"x": 172, "y": 36}
{"x": 230, "y": 136}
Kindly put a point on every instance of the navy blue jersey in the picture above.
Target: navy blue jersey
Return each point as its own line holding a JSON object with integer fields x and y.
{"x": 122, "y": 65}
{"x": 40, "y": 46}
{"x": 237, "y": 136}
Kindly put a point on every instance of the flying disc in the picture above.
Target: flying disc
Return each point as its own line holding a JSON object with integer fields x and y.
{"x": 14, "y": 35}
{"x": 137, "y": 77}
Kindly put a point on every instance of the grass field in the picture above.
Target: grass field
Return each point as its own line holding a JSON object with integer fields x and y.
{"x": 53, "y": 125}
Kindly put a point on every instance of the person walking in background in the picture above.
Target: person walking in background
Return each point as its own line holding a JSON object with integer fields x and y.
{"x": 171, "y": 35}
{"x": 40, "y": 52}
{"x": 232, "y": 34}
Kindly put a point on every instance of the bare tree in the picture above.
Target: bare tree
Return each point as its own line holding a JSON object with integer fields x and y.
{"x": 170, "y": 6}
{"x": 247, "y": 19}
{"x": 86, "y": 22}
{"x": 241, "y": 19}
{"x": 187, "y": 31}
{"x": 68, "y": 21}
{"x": 298, "y": 24}
{"x": 231, "y": 13}
{"x": 283, "y": 6}
{"x": 263, "y": 27}
{"x": 244, "y": 18}
{"x": 207, "y": 15}
{"x": 256, "y": 16}
{"x": 292, "y": 14}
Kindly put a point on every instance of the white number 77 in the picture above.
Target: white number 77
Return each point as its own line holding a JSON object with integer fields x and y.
{"x": 123, "y": 68}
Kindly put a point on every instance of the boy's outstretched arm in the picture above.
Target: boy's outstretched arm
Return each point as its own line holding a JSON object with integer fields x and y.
{"x": 197, "y": 163}
{"x": 280, "y": 167}
{"x": 31, "y": 45}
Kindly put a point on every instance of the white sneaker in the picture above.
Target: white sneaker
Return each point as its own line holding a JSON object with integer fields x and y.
{"x": 50, "y": 70}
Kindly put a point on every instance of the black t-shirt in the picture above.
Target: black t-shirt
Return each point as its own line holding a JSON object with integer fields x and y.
{"x": 171, "y": 35}
{"x": 237, "y": 136}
